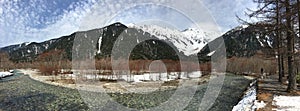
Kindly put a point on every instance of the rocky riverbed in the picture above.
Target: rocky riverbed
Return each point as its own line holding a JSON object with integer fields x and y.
{"x": 20, "y": 92}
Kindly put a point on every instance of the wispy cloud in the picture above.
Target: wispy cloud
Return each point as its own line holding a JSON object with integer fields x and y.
{"x": 225, "y": 11}
{"x": 39, "y": 20}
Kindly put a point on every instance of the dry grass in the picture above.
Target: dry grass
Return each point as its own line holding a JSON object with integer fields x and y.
{"x": 264, "y": 96}
{"x": 107, "y": 80}
{"x": 171, "y": 83}
{"x": 268, "y": 99}
{"x": 141, "y": 66}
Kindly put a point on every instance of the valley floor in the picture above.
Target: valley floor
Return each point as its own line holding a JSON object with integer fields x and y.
{"x": 20, "y": 92}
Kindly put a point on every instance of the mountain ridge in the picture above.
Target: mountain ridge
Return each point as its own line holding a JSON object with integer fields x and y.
{"x": 240, "y": 41}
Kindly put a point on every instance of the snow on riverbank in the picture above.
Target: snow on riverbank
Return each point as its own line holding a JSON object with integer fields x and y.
{"x": 145, "y": 77}
{"x": 136, "y": 83}
{"x": 5, "y": 74}
{"x": 249, "y": 102}
{"x": 286, "y": 103}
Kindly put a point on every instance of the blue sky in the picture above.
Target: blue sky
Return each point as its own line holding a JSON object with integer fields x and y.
{"x": 40, "y": 20}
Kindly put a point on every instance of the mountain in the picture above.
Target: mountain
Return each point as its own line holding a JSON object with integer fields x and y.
{"x": 164, "y": 43}
{"x": 242, "y": 41}
{"x": 161, "y": 43}
{"x": 104, "y": 39}
{"x": 29, "y": 51}
{"x": 189, "y": 41}
{"x": 12, "y": 48}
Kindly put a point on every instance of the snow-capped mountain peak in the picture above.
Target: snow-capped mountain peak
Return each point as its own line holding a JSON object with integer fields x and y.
{"x": 27, "y": 43}
{"x": 195, "y": 34}
{"x": 130, "y": 25}
{"x": 189, "y": 41}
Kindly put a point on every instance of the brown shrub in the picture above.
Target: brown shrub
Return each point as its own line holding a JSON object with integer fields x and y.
{"x": 251, "y": 65}
{"x": 142, "y": 66}
{"x": 107, "y": 80}
{"x": 49, "y": 69}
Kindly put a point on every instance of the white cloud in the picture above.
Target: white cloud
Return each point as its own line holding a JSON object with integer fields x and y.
{"x": 21, "y": 23}
{"x": 225, "y": 11}
{"x": 26, "y": 21}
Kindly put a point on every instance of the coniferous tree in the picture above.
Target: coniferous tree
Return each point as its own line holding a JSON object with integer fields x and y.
{"x": 292, "y": 86}
{"x": 279, "y": 17}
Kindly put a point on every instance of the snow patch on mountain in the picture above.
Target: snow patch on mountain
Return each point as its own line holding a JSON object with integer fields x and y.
{"x": 269, "y": 41}
{"x": 245, "y": 26}
{"x": 261, "y": 44}
{"x": 99, "y": 45}
{"x": 241, "y": 27}
{"x": 198, "y": 38}
{"x": 211, "y": 53}
{"x": 27, "y": 43}
{"x": 189, "y": 41}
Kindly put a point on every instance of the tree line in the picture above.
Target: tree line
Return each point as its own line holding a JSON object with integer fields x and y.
{"x": 281, "y": 19}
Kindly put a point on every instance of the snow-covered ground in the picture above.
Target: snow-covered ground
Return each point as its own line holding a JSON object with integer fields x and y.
{"x": 286, "y": 103}
{"x": 146, "y": 76}
{"x": 5, "y": 74}
{"x": 249, "y": 102}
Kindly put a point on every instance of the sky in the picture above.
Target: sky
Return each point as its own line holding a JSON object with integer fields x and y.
{"x": 40, "y": 20}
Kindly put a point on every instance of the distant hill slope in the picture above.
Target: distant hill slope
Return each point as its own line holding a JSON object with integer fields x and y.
{"x": 242, "y": 41}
